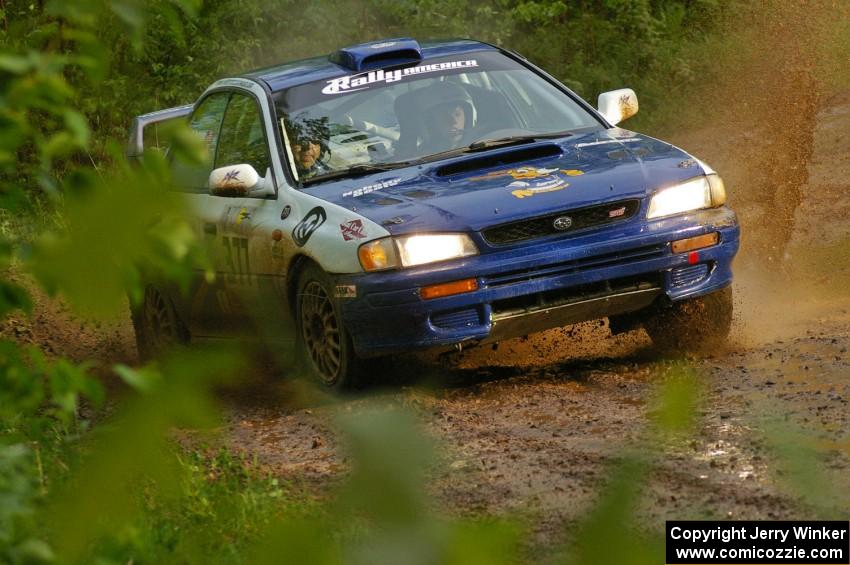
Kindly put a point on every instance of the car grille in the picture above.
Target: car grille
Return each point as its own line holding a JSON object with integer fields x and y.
{"x": 621, "y": 257}
{"x": 581, "y": 219}
{"x": 561, "y": 296}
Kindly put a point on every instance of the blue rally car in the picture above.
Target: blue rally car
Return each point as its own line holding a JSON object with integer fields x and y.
{"x": 396, "y": 196}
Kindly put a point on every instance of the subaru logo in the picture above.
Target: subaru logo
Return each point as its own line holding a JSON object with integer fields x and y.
{"x": 562, "y": 223}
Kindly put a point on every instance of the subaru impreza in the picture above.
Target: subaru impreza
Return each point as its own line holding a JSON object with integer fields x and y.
{"x": 396, "y": 196}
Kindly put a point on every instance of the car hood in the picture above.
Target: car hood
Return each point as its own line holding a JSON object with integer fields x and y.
{"x": 483, "y": 189}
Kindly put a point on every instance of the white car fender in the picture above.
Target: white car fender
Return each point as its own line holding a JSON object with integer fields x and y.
{"x": 327, "y": 232}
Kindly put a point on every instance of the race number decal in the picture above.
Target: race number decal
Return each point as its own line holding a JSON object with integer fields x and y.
{"x": 237, "y": 256}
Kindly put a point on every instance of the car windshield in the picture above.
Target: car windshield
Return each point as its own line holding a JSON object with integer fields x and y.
{"x": 391, "y": 117}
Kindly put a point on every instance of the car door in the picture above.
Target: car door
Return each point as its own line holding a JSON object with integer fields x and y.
{"x": 215, "y": 306}
{"x": 244, "y": 227}
{"x": 206, "y": 306}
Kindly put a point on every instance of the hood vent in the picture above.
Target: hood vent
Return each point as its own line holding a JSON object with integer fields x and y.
{"x": 378, "y": 54}
{"x": 504, "y": 158}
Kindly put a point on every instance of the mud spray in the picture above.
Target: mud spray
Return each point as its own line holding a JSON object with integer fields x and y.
{"x": 779, "y": 108}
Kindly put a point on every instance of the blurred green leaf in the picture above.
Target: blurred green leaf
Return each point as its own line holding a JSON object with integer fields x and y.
{"x": 15, "y": 64}
{"x": 145, "y": 380}
{"x": 78, "y": 127}
{"x": 119, "y": 226}
{"x": 34, "y": 551}
{"x": 609, "y": 532}
{"x": 676, "y": 400}
{"x": 797, "y": 464}
{"x": 184, "y": 144}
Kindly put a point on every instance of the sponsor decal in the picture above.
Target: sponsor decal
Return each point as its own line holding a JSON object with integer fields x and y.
{"x": 362, "y": 81}
{"x": 231, "y": 176}
{"x": 687, "y": 163}
{"x": 237, "y": 220}
{"x": 370, "y": 188}
{"x": 345, "y": 291}
{"x": 617, "y": 212}
{"x": 628, "y": 105}
{"x": 352, "y": 230}
{"x": 244, "y": 214}
{"x": 529, "y": 181}
{"x": 304, "y": 229}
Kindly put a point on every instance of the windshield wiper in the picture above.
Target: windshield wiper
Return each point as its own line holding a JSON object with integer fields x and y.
{"x": 356, "y": 171}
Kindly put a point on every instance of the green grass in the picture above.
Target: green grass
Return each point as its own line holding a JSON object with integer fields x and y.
{"x": 225, "y": 503}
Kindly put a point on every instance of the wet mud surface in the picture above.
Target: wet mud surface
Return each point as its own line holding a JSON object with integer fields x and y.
{"x": 538, "y": 440}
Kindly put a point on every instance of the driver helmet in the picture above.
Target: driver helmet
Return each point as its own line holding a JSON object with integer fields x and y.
{"x": 447, "y": 95}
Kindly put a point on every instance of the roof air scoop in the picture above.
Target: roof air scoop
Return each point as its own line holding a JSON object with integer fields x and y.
{"x": 384, "y": 53}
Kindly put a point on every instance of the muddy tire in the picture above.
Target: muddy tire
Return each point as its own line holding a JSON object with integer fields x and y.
{"x": 698, "y": 325}
{"x": 324, "y": 344}
{"x": 157, "y": 326}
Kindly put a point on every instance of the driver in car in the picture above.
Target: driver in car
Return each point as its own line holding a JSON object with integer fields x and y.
{"x": 448, "y": 116}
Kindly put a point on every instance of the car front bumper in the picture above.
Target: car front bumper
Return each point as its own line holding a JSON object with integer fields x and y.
{"x": 539, "y": 285}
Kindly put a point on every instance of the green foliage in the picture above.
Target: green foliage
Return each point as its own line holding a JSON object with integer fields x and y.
{"x": 133, "y": 448}
{"x": 225, "y": 503}
{"x": 39, "y": 416}
{"x": 676, "y": 401}
{"x": 104, "y": 249}
{"x": 114, "y": 224}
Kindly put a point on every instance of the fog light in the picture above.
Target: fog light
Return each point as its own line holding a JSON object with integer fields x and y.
{"x": 448, "y": 289}
{"x": 698, "y": 242}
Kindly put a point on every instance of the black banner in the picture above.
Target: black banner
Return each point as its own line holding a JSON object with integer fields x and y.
{"x": 758, "y": 542}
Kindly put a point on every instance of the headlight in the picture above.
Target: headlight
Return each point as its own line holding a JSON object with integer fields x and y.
{"x": 422, "y": 249}
{"x": 702, "y": 192}
{"x": 412, "y": 250}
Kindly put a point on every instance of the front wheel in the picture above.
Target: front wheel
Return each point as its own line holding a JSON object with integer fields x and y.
{"x": 157, "y": 326}
{"x": 325, "y": 345}
{"x": 697, "y": 325}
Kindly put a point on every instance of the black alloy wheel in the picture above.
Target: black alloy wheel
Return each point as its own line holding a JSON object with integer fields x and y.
{"x": 325, "y": 343}
{"x": 157, "y": 326}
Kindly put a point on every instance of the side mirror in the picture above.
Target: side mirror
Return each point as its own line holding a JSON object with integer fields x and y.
{"x": 618, "y": 105}
{"x": 240, "y": 180}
